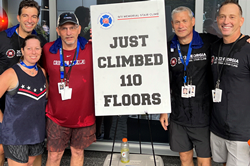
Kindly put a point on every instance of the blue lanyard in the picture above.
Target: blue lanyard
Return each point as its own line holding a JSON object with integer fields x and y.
{"x": 29, "y": 67}
{"x": 62, "y": 63}
{"x": 187, "y": 58}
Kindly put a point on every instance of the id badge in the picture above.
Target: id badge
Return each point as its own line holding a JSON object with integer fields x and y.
{"x": 217, "y": 95}
{"x": 189, "y": 90}
{"x": 192, "y": 90}
{"x": 61, "y": 86}
{"x": 66, "y": 93}
{"x": 184, "y": 91}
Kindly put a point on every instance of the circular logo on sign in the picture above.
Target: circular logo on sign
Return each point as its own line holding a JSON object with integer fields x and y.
{"x": 212, "y": 60}
{"x": 106, "y": 20}
{"x": 173, "y": 61}
{"x": 10, "y": 53}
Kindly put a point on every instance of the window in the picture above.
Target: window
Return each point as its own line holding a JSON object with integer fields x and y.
{"x": 209, "y": 17}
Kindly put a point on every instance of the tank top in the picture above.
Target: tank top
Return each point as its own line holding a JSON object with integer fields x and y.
{"x": 24, "y": 116}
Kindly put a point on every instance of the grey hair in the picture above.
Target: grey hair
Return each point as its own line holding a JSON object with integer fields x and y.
{"x": 182, "y": 9}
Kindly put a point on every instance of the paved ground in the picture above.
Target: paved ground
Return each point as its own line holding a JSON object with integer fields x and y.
{"x": 97, "y": 159}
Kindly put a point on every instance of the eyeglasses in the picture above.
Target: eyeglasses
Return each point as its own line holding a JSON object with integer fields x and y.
{"x": 69, "y": 28}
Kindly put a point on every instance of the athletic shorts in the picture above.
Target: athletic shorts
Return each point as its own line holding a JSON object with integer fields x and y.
{"x": 58, "y": 137}
{"x": 183, "y": 139}
{"x": 21, "y": 153}
{"x": 234, "y": 153}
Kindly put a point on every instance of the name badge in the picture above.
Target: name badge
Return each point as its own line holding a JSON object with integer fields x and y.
{"x": 192, "y": 91}
{"x": 217, "y": 95}
{"x": 66, "y": 93}
{"x": 61, "y": 86}
{"x": 185, "y": 91}
{"x": 188, "y": 91}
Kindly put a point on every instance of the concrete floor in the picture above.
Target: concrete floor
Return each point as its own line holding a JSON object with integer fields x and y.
{"x": 93, "y": 158}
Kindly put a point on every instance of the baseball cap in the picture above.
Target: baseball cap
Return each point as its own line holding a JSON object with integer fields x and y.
{"x": 67, "y": 17}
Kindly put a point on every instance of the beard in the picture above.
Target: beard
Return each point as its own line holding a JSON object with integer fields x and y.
{"x": 69, "y": 42}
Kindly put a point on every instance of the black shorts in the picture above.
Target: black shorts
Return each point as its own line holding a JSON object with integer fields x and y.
{"x": 21, "y": 153}
{"x": 183, "y": 139}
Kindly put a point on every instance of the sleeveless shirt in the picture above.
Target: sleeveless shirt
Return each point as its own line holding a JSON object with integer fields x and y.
{"x": 24, "y": 116}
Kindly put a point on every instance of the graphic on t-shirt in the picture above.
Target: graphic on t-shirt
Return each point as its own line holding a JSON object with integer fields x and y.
{"x": 229, "y": 61}
{"x": 193, "y": 58}
{"x": 33, "y": 93}
{"x": 10, "y": 53}
{"x": 173, "y": 61}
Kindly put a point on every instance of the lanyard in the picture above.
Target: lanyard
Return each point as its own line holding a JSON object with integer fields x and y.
{"x": 223, "y": 64}
{"x": 29, "y": 67}
{"x": 63, "y": 64}
{"x": 187, "y": 58}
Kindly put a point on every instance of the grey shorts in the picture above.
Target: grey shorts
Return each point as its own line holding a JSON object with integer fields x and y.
{"x": 234, "y": 153}
{"x": 21, "y": 153}
{"x": 183, "y": 139}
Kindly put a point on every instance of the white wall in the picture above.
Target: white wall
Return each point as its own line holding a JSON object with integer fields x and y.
{"x": 245, "y": 5}
{"x": 199, "y": 8}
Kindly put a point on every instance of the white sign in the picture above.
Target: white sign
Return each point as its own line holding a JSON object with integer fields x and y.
{"x": 130, "y": 58}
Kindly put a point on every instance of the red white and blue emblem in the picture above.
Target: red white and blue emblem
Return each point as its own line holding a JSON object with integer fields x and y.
{"x": 106, "y": 20}
{"x": 10, "y": 53}
{"x": 33, "y": 93}
{"x": 173, "y": 61}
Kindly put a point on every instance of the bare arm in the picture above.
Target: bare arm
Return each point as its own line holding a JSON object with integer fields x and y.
{"x": 8, "y": 81}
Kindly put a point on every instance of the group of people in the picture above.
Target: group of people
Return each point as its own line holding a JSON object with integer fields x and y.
{"x": 25, "y": 62}
{"x": 200, "y": 61}
{"x": 215, "y": 126}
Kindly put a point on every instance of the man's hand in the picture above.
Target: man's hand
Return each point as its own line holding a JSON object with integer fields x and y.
{"x": 164, "y": 121}
{"x": 248, "y": 40}
{"x": 90, "y": 39}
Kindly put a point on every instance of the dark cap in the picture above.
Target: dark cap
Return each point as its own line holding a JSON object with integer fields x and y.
{"x": 67, "y": 17}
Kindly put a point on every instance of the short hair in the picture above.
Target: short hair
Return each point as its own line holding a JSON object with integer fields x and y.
{"x": 182, "y": 9}
{"x": 231, "y": 2}
{"x": 28, "y": 3}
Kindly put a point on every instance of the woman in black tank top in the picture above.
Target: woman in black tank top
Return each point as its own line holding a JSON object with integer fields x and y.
{"x": 23, "y": 124}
